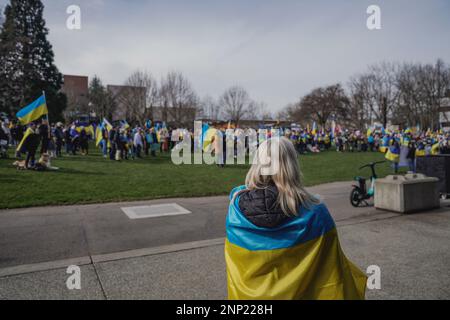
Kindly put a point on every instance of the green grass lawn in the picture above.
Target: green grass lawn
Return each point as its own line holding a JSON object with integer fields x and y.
{"x": 93, "y": 179}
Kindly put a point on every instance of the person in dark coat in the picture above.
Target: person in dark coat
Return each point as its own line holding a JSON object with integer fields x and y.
{"x": 411, "y": 157}
{"x": 84, "y": 142}
{"x": 59, "y": 138}
{"x": 45, "y": 136}
{"x": 112, "y": 142}
{"x": 30, "y": 144}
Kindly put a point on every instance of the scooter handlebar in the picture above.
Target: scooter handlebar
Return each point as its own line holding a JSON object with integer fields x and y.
{"x": 372, "y": 165}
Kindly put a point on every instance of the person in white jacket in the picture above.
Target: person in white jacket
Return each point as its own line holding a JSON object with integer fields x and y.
{"x": 138, "y": 143}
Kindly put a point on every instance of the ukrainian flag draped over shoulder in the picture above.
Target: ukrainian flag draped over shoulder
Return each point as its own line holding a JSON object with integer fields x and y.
{"x": 33, "y": 111}
{"x": 301, "y": 259}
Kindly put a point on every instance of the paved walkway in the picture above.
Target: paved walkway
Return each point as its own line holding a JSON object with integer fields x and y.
{"x": 181, "y": 257}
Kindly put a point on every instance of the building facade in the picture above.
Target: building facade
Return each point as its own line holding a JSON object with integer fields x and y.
{"x": 444, "y": 114}
{"x": 76, "y": 89}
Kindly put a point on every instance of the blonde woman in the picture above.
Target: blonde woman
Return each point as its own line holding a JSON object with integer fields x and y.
{"x": 281, "y": 240}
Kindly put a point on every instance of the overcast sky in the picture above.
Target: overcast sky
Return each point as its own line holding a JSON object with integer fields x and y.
{"x": 278, "y": 50}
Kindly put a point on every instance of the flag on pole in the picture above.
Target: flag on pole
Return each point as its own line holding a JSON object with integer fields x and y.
{"x": 33, "y": 111}
{"x": 333, "y": 129}
{"x": 107, "y": 125}
{"x": 314, "y": 128}
{"x": 99, "y": 135}
{"x": 124, "y": 124}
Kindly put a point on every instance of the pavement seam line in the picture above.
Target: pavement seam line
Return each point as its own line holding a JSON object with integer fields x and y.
{"x": 99, "y": 281}
{"x": 90, "y": 258}
{"x": 96, "y": 259}
{"x": 43, "y": 266}
{"x": 157, "y": 250}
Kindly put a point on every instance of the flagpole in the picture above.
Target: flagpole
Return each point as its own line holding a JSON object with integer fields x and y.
{"x": 48, "y": 119}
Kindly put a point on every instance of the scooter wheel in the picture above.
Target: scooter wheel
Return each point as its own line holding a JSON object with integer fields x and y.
{"x": 355, "y": 198}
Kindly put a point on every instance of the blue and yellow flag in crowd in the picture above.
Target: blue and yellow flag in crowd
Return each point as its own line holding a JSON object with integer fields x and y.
{"x": 33, "y": 111}
{"x": 124, "y": 125}
{"x": 107, "y": 125}
{"x": 393, "y": 154}
{"x": 99, "y": 134}
{"x": 208, "y": 136}
{"x": 301, "y": 259}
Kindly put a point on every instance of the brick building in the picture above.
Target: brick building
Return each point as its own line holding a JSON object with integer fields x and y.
{"x": 76, "y": 89}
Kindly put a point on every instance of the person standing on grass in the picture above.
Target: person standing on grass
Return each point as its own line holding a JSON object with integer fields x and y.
{"x": 84, "y": 142}
{"x": 104, "y": 142}
{"x": 75, "y": 139}
{"x": 67, "y": 140}
{"x": 120, "y": 140}
{"x": 393, "y": 155}
{"x": 16, "y": 133}
{"x": 138, "y": 142}
{"x": 30, "y": 144}
{"x": 148, "y": 140}
{"x": 154, "y": 145}
{"x": 44, "y": 132}
{"x": 411, "y": 156}
{"x": 282, "y": 242}
{"x": 112, "y": 143}
{"x": 59, "y": 138}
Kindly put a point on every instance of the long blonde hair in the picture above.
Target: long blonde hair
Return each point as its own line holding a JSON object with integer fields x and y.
{"x": 288, "y": 177}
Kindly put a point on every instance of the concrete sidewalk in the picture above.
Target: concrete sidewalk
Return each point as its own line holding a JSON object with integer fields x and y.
{"x": 411, "y": 250}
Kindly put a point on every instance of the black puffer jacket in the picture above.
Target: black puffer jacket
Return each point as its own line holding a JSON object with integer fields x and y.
{"x": 260, "y": 207}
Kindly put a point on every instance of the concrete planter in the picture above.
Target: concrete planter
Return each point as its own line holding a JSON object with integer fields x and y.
{"x": 407, "y": 194}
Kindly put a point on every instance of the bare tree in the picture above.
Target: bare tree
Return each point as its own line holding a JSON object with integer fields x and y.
{"x": 359, "y": 112}
{"x": 209, "y": 108}
{"x": 179, "y": 100}
{"x": 381, "y": 90}
{"x": 434, "y": 82}
{"x": 236, "y": 104}
{"x": 320, "y": 105}
{"x": 421, "y": 92}
{"x": 258, "y": 111}
{"x": 286, "y": 114}
{"x": 144, "y": 79}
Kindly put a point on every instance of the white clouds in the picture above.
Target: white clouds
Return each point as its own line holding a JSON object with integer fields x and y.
{"x": 277, "y": 50}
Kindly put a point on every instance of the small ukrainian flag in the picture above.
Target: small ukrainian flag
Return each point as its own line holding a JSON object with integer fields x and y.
{"x": 33, "y": 111}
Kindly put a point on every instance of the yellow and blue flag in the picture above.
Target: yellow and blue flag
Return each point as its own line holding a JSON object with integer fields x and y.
{"x": 28, "y": 133}
{"x": 34, "y": 111}
{"x": 314, "y": 128}
{"x": 107, "y": 125}
{"x": 124, "y": 125}
{"x": 301, "y": 259}
{"x": 435, "y": 149}
{"x": 99, "y": 134}
{"x": 393, "y": 154}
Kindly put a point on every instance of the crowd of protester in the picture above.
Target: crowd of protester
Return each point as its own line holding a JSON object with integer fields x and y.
{"x": 123, "y": 142}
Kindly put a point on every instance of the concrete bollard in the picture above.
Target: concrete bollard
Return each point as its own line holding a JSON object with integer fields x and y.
{"x": 407, "y": 194}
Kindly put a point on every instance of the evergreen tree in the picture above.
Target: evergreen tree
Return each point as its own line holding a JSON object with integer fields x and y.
{"x": 27, "y": 61}
{"x": 100, "y": 99}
